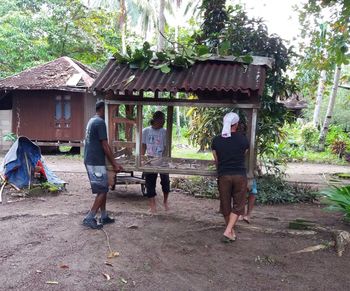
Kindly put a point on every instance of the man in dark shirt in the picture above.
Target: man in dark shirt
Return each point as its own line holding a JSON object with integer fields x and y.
{"x": 96, "y": 151}
{"x": 229, "y": 151}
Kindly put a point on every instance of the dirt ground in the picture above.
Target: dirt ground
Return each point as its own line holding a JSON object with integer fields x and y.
{"x": 42, "y": 241}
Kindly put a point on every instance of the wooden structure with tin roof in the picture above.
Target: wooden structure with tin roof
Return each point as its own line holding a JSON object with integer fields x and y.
{"x": 217, "y": 82}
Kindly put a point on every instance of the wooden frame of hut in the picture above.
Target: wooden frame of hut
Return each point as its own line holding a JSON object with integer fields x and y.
{"x": 218, "y": 82}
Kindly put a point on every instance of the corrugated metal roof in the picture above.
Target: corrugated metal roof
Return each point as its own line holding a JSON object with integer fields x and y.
{"x": 212, "y": 75}
{"x": 56, "y": 75}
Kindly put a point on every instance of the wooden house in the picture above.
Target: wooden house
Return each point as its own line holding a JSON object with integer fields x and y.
{"x": 49, "y": 103}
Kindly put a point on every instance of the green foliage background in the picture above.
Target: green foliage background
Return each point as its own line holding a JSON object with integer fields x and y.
{"x": 35, "y": 31}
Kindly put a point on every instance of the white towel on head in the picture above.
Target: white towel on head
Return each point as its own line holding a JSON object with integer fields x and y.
{"x": 229, "y": 119}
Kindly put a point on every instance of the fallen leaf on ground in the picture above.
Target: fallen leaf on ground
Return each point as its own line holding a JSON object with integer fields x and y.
{"x": 314, "y": 248}
{"x": 133, "y": 226}
{"x": 106, "y": 276}
{"x": 38, "y": 271}
{"x": 52, "y": 282}
{"x": 64, "y": 266}
{"x": 108, "y": 264}
{"x": 123, "y": 281}
{"x": 113, "y": 254}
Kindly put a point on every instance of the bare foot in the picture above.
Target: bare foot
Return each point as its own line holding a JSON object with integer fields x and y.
{"x": 230, "y": 235}
{"x": 152, "y": 211}
{"x": 166, "y": 206}
{"x": 152, "y": 205}
{"x": 246, "y": 219}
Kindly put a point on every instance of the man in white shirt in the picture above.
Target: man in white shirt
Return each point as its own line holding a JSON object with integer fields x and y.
{"x": 154, "y": 145}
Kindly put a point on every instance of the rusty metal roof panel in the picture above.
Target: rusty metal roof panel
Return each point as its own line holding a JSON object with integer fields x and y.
{"x": 212, "y": 75}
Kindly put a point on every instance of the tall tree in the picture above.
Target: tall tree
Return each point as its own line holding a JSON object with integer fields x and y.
{"x": 330, "y": 108}
{"x": 319, "y": 98}
{"x": 327, "y": 50}
{"x": 243, "y": 35}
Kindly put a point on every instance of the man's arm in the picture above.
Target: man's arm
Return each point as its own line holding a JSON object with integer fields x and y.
{"x": 108, "y": 152}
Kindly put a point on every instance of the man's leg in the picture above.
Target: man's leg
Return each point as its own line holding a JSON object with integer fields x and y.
{"x": 99, "y": 184}
{"x": 229, "y": 231}
{"x": 239, "y": 200}
{"x": 151, "y": 180}
{"x": 105, "y": 219}
{"x": 251, "y": 202}
{"x": 165, "y": 182}
{"x": 90, "y": 220}
{"x": 225, "y": 191}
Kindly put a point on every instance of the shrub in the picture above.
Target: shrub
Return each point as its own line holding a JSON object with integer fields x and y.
{"x": 336, "y": 133}
{"x": 338, "y": 199}
{"x": 274, "y": 190}
{"x": 309, "y": 136}
{"x": 271, "y": 189}
{"x": 338, "y": 147}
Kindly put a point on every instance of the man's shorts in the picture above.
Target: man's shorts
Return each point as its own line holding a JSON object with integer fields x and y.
{"x": 232, "y": 190}
{"x": 98, "y": 178}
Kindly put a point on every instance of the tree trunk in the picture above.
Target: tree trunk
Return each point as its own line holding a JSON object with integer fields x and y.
{"x": 330, "y": 108}
{"x": 161, "y": 25}
{"x": 320, "y": 90}
{"x": 122, "y": 24}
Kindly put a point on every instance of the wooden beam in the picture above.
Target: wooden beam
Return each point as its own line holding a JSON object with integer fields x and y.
{"x": 127, "y": 144}
{"x": 108, "y": 122}
{"x": 169, "y": 130}
{"x": 163, "y": 170}
{"x": 252, "y": 152}
{"x": 58, "y": 144}
{"x": 138, "y": 135}
{"x": 124, "y": 120}
{"x": 183, "y": 102}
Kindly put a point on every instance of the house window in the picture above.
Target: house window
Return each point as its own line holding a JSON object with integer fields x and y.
{"x": 63, "y": 112}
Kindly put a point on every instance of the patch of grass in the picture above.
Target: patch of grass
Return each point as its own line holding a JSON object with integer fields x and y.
{"x": 190, "y": 153}
{"x": 64, "y": 149}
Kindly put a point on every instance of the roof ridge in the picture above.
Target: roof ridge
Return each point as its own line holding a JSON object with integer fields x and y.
{"x": 86, "y": 77}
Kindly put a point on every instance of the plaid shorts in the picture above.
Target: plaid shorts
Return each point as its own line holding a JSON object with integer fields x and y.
{"x": 98, "y": 178}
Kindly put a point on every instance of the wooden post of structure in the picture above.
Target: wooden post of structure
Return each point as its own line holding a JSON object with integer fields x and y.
{"x": 108, "y": 123}
{"x": 138, "y": 135}
{"x": 252, "y": 153}
{"x": 169, "y": 129}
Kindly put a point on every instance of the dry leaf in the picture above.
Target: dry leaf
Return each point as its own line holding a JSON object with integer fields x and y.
{"x": 113, "y": 254}
{"x": 106, "y": 276}
{"x": 52, "y": 282}
{"x": 64, "y": 266}
{"x": 133, "y": 226}
{"x": 123, "y": 280}
{"x": 108, "y": 263}
{"x": 38, "y": 271}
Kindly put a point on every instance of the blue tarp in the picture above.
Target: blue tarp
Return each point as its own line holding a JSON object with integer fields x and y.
{"x": 21, "y": 160}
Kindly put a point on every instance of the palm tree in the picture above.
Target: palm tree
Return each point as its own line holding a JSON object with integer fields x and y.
{"x": 330, "y": 108}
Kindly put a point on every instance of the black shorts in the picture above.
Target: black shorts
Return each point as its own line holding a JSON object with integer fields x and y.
{"x": 151, "y": 182}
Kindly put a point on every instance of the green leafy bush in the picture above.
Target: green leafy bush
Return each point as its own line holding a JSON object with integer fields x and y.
{"x": 310, "y": 136}
{"x": 335, "y": 134}
{"x": 274, "y": 190}
{"x": 338, "y": 199}
{"x": 271, "y": 189}
{"x": 10, "y": 137}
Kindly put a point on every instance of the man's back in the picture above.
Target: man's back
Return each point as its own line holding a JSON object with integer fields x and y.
{"x": 95, "y": 133}
{"x": 231, "y": 152}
